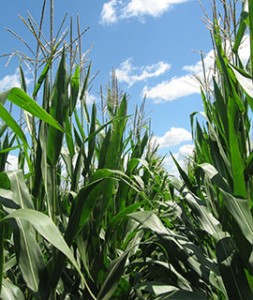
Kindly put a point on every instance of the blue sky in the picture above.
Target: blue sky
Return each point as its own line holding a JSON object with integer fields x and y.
{"x": 153, "y": 46}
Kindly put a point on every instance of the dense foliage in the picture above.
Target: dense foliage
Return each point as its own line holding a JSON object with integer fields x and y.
{"x": 91, "y": 212}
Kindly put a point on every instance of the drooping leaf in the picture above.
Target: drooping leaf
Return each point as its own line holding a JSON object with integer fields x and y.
{"x": 239, "y": 209}
{"x": 11, "y": 291}
{"x": 8, "y": 119}
{"x": 113, "y": 278}
{"x": 28, "y": 252}
{"x": 44, "y": 225}
{"x": 245, "y": 82}
{"x": 231, "y": 269}
{"x": 21, "y": 99}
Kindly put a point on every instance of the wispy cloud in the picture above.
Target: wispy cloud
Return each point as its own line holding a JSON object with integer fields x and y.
{"x": 173, "y": 89}
{"x": 9, "y": 81}
{"x": 198, "y": 67}
{"x": 130, "y": 74}
{"x": 181, "y": 86}
{"x": 109, "y": 12}
{"x": 172, "y": 137}
{"x": 115, "y": 10}
{"x": 88, "y": 98}
{"x": 13, "y": 80}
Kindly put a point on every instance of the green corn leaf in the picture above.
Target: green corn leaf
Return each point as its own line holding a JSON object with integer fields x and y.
{"x": 241, "y": 31}
{"x": 46, "y": 228}
{"x": 20, "y": 191}
{"x": 23, "y": 82}
{"x": 78, "y": 169}
{"x": 79, "y": 124}
{"x": 250, "y": 10}
{"x": 1, "y": 254}
{"x": 58, "y": 110}
{"x": 10, "y": 264}
{"x": 113, "y": 278}
{"x": 180, "y": 295}
{"x": 179, "y": 248}
{"x": 42, "y": 77}
{"x": 74, "y": 88}
{"x": 215, "y": 176}
{"x": 150, "y": 221}
{"x": 114, "y": 147}
{"x": 85, "y": 84}
{"x": 244, "y": 80}
{"x": 91, "y": 141}
{"x": 240, "y": 211}
{"x": 28, "y": 252}
{"x": 124, "y": 212}
{"x": 163, "y": 291}
{"x": 11, "y": 291}
{"x": 156, "y": 288}
{"x": 237, "y": 163}
{"x": 7, "y": 150}
{"x": 69, "y": 138}
{"x": 8, "y": 119}
{"x": 221, "y": 110}
{"x": 183, "y": 175}
{"x": 204, "y": 217}
{"x": 232, "y": 270}
{"x": 21, "y": 99}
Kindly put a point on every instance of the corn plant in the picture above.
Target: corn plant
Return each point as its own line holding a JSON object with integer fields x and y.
{"x": 199, "y": 246}
{"x": 64, "y": 226}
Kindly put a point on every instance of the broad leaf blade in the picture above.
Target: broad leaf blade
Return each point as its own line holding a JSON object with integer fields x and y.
{"x": 8, "y": 119}
{"x": 44, "y": 225}
{"x": 21, "y": 99}
{"x": 231, "y": 269}
{"x": 11, "y": 292}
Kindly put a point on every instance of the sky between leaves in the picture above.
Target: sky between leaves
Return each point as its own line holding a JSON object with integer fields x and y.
{"x": 153, "y": 46}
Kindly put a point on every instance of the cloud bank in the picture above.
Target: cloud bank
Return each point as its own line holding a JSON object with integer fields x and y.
{"x": 116, "y": 10}
{"x": 172, "y": 137}
{"x": 13, "y": 80}
{"x": 130, "y": 74}
{"x": 181, "y": 86}
{"x": 9, "y": 81}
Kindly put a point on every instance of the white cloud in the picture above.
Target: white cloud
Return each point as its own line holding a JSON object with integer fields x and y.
{"x": 172, "y": 89}
{"x": 12, "y": 162}
{"x": 109, "y": 12}
{"x": 181, "y": 86}
{"x": 115, "y": 10}
{"x": 198, "y": 67}
{"x": 189, "y": 83}
{"x": 88, "y": 98}
{"x": 154, "y": 8}
{"x": 131, "y": 74}
{"x": 13, "y": 80}
{"x": 9, "y": 81}
{"x": 172, "y": 137}
{"x": 182, "y": 156}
